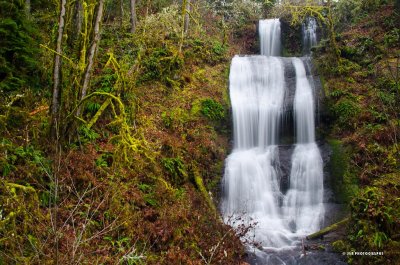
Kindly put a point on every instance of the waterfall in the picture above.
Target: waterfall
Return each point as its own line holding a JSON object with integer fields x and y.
{"x": 270, "y": 37}
{"x": 251, "y": 183}
{"x": 303, "y": 202}
{"x": 251, "y": 179}
{"x": 309, "y": 32}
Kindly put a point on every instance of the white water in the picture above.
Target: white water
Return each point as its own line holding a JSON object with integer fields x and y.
{"x": 303, "y": 202}
{"x": 270, "y": 37}
{"x": 251, "y": 178}
{"x": 309, "y": 29}
{"x": 252, "y": 175}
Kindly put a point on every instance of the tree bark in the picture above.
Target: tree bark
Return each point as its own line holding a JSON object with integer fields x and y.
{"x": 187, "y": 18}
{"x": 78, "y": 20}
{"x": 55, "y": 104}
{"x": 92, "y": 52}
{"x": 121, "y": 13}
{"x": 328, "y": 229}
{"x": 28, "y": 7}
{"x": 133, "y": 16}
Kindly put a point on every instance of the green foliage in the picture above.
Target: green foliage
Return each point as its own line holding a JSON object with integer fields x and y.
{"x": 107, "y": 80}
{"x": 203, "y": 50}
{"x": 237, "y": 13}
{"x": 176, "y": 169}
{"x": 345, "y": 67}
{"x": 346, "y": 110}
{"x": 92, "y": 107}
{"x": 350, "y": 11}
{"x": 392, "y": 38}
{"x": 19, "y": 219}
{"x": 339, "y": 246}
{"x": 87, "y": 135}
{"x": 175, "y": 119}
{"x": 161, "y": 64}
{"x": 18, "y": 50}
{"x": 149, "y": 195}
{"x": 28, "y": 156}
{"x": 374, "y": 218}
{"x": 101, "y": 161}
{"x": 212, "y": 109}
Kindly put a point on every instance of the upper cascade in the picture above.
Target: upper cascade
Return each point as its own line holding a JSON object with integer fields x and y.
{"x": 309, "y": 31}
{"x": 303, "y": 105}
{"x": 270, "y": 37}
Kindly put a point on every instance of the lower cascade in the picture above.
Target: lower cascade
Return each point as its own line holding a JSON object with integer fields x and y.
{"x": 252, "y": 189}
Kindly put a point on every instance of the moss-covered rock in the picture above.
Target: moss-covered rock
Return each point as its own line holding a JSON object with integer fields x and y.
{"x": 343, "y": 181}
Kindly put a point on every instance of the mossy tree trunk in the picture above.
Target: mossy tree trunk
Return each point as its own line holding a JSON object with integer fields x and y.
{"x": 186, "y": 22}
{"x": 78, "y": 20}
{"x": 133, "y": 16}
{"x": 328, "y": 229}
{"x": 92, "y": 53}
{"x": 28, "y": 7}
{"x": 55, "y": 104}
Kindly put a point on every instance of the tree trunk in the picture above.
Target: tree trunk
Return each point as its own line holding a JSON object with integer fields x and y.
{"x": 78, "y": 20}
{"x": 328, "y": 229}
{"x": 55, "y": 104}
{"x": 92, "y": 52}
{"x": 121, "y": 13}
{"x": 28, "y": 7}
{"x": 133, "y": 16}
{"x": 187, "y": 18}
{"x": 184, "y": 13}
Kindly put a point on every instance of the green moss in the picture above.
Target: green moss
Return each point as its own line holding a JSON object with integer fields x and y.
{"x": 200, "y": 186}
{"x": 343, "y": 181}
{"x": 175, "y": 118}
{"x": 339, "y": 246}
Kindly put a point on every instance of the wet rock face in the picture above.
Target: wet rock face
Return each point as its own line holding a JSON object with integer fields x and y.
{"x": 285, "y": 157}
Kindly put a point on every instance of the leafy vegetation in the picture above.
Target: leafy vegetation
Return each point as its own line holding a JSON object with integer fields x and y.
{"x": 122, "y": 170}
{"x": 361, "y": 91}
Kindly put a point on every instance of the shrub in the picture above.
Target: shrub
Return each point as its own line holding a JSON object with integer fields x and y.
{"x": 212, "y": 109}
{"x": 346, "y": 110}
{"x": 18, "y": 67}
{"x": 176, "y": 169}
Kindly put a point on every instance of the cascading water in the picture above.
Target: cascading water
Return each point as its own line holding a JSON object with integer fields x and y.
{"x": 303, "y": 202}
{"x": 251, "y": 178}
{"x": 270, "y": 37}
{"x": 252, "y": 174}
{"x": 309, "y": 30}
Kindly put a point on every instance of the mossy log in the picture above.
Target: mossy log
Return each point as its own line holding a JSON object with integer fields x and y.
{"x": 327, "y": 229}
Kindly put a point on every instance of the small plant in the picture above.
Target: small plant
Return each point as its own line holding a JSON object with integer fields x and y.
{"x": 87, "y": 134}
{"x": 345, "y": 111}
{"x": 175, "y": 118}
{"x": 392, "y": 38}
{"x": 176, "y": 169}
{"x": 101, "y": 161}
{"x": 212, "y": 110}
{"x": 149, "y": 196}
{"x": 219, "y": 51}
{"x": 92, "y": 107}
